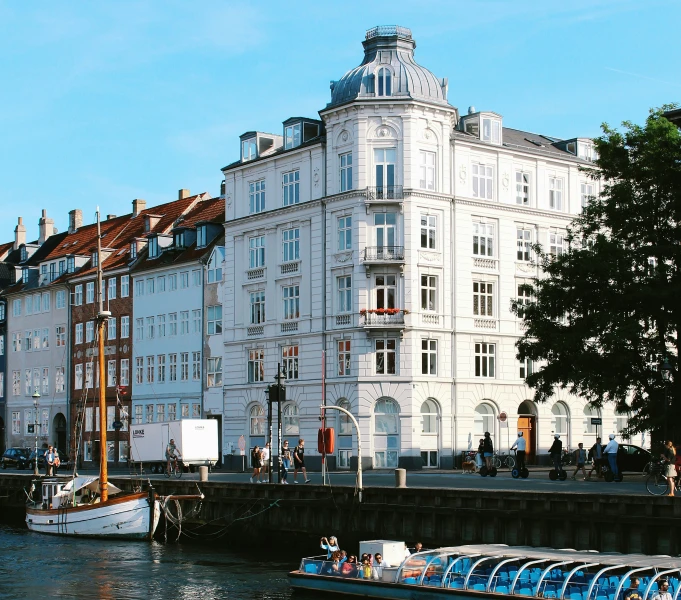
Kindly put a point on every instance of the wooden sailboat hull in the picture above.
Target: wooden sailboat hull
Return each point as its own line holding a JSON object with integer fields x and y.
{"x": 123, "y": 517}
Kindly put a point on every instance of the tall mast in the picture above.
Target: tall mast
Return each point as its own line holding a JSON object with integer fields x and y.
{"x": 102, "y": 318}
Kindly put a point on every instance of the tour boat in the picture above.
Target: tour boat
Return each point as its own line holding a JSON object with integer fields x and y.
{"x": 496, "y": 571}
{"x": 91, "y": 506}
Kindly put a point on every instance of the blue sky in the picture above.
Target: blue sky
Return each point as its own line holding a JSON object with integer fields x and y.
{"x": 109, "y": 101}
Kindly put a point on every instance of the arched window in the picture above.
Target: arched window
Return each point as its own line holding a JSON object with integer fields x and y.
{"x": 589, "y": 412}
{"x": 484, "y": 420}
{"x": 290, "y": 419}
{"x": 560, "y": 418}
{"x": 257, "y": 417}
{"x": 429, "y": 414}
{"x": 344, "y": 422}
{"x": 384, "y": 82}
{"x": 386, "y": 433}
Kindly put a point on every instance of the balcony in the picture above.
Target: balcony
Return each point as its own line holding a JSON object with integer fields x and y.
{"x": 384, "y": 254}
{"x": 382, "y": 318}
{"x": 257, "y": 273}
{"x": 385, "y": 193}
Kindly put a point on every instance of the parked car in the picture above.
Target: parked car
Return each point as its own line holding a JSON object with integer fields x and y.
{"x": 633, "y": 458}
{"x": 41, "y": 459}
{"x": 15, "y": 457}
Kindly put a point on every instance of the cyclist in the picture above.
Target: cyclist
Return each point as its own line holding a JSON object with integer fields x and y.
{"x": 172, "y": 454}
{"x": 556, "y": 452}
{"x": 519, "y": 446}
{"x": 488, "y": 449}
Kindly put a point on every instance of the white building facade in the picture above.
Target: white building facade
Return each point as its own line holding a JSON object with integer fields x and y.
{"x": 391, "y": 237}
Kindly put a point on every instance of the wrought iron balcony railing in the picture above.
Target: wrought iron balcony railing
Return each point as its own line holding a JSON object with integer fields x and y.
{"x": 384, "y": 253}
{"x": 385, "y": 192}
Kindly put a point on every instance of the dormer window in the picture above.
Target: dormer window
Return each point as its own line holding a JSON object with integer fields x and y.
{"x": 248, "y": 149}
{"x": 24, "y": 275}
{"x": 62, "y": 267}
{"x": 95, "y": 260}
{"x": 585, "y": 151}
{"x": 384, "y": 86}
{"x": 133, "y": 251}
{"x": 201, "y": 236}
{"x": 292, "y": 136}
{"x": 179, "y": 239}
{"x": 71, "y": 264}
{"x": 491, "y": 130}
{"x": 153, "y": 247}
{"x": 24, "y": 253}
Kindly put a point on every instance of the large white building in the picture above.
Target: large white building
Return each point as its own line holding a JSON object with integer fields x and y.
{"x": 392, "y": 235}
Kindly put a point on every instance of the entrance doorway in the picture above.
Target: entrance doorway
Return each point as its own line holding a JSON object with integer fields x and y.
{"x": 59, "y": 428}
{"x": 527, "y": 423}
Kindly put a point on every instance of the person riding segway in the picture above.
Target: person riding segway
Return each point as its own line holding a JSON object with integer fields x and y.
{"x": 488, "y": 452}
{"x": 556, "y": 454}
{"x": 520, "y": 470}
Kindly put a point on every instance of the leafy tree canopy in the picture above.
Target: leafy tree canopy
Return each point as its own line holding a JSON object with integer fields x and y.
{"x": 606, "y": 312}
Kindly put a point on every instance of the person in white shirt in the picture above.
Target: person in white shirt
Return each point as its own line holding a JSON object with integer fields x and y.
{"x": 663, "y": 591}
{"x": 266, "y": 458}
{"x": 611, "y": 454}
{"x": 379, "y": 564}
{"x": 519, "y": 446}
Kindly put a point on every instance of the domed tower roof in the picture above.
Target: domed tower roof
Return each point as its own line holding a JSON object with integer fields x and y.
{"x": 389, "y": 69}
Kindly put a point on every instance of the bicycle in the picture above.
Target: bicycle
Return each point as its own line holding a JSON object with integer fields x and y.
{"x": 176, "y": 469}
{"x": 502, "y": 459}
{"x": 656, "y": 482}
{"x": 567, "y": 459}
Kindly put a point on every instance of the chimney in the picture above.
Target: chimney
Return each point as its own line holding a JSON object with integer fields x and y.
{"x": 19, "y": 233}
{"x": 138, "y": 205}
{"x": 109, "y": 217}
{"x": 45, "y": 226}
{"x": 182, "y": 194}
{"x": 75, "y": 220}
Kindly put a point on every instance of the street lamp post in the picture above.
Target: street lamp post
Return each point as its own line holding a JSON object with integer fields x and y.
{"x": 36, "y": 397}
{"x": 666, "y": 375}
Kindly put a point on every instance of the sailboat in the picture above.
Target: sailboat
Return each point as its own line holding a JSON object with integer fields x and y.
{"x": 91, "y": 506}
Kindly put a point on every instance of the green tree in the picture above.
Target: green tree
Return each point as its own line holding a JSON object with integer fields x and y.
{"x": 606, "y": 312}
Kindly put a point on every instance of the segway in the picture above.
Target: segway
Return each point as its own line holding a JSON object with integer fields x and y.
{"x": 516, "y": 472}
{"x": 484, "y": 471}
{"x": 560, "y": 475}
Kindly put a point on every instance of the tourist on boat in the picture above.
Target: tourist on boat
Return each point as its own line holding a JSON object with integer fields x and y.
{"x": 285, "y": 465}
{"x": 330, "y": 545}
{"x": 480, "y": 454}
{"x": 349, "y": 567}
{"x": 632, "y": 593}
{"x": 556, "y": 452}
{"x": 344, "y": 556}
{"x": 333, "y": 567}
{"x": 256, "y": 460}
{"x": 266, "y": 459}
{"x": 519, "y": 446}
{"x": 365, "y": 568}
{"x": 488, "y": 449}
{"x": 379, "y": 564}
{"x": 580, "y": 460}
{"x": 663, "y": 591}
{"x": 596, "y": 455}
{"x": 669, "y": 457}
{"x": 49, "y": 461}
{"x": 299, "y": 461}
{"x": 418, "y": 546}
{"x": 611, "y": 454}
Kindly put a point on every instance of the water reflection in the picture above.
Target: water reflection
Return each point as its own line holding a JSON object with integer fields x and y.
{"x": 38, "y": 566}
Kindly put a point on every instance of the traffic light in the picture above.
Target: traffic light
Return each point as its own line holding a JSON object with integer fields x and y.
{"x": 277, "y": 393}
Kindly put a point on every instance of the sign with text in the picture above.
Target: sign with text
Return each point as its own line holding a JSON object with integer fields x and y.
{"x": 596, "y": 421}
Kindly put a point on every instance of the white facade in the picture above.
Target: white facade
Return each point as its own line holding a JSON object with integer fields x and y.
{"x": 166, "y": 330}
{"x": 213, "y": 344}
{"x": 407, "y": 259}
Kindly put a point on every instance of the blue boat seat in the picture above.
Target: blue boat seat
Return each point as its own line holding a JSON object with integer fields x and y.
{"x": 525, "y": 591}
{"x": 410, "y": 580}
{"x": 312, "y": 568}
{"x": 480, "y": 587}
{"x": 501, "y": 589}
{"x": 551, "y": 594}
{"x": 601, "y": 598}
{"x": 457, "y": 584}
{"x": 575, "y": 596}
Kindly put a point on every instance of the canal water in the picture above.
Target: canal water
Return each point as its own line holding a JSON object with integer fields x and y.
{"x": 41, "y": 567}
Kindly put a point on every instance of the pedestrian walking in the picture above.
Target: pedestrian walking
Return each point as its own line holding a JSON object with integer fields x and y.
{"x": 669, "y": 457}
{"x": 266, "y": 459}
{"x": 299, "y": 461}
{"x": 488, "y": 449}
{"x": 519, "y": 446}
{"x": 610, "y": 453}
{"x": 49, "y": 461}
{"x": 285, "y": 466}
{"x": 556, "y": 452}
{"x": 256, "y": 463}
{"x": 663, "y": 591}
{"x": 596, "y": 454}
{"x": 580, "y": 460}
